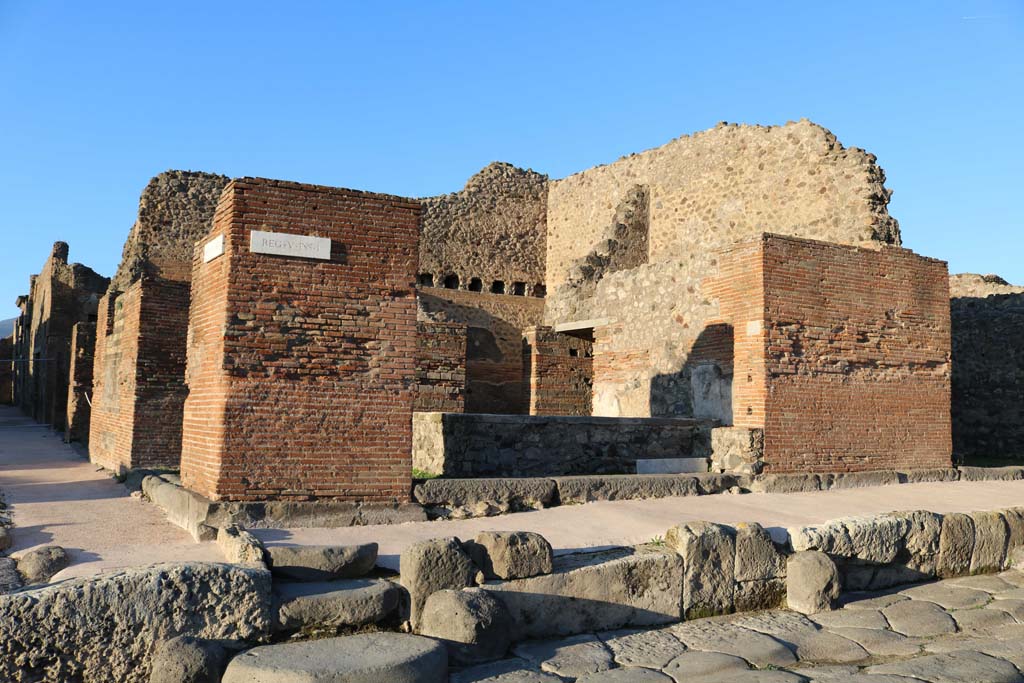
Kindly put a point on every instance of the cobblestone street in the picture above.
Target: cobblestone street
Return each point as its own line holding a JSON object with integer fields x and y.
{"x": 965, "y": 630}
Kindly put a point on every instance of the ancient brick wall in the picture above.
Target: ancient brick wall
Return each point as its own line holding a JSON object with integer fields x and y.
{"x": 140, "y": 373}
{"x": 854, "y": 349}
{"x": 987, "y": 317}
{"x": 492, "y": 231}
{"x": 560, "y": 369}
{"x": 83, "y": 345}
{"x": 301, "y": 371}
{"x": 61, "y": 295}
{"x": 494, "y": 345}
{"x": 139, "y": 384}
{"x": 440, "y": 367}
{"x": 701, "y": 194}
{"x": 7, "y": 371}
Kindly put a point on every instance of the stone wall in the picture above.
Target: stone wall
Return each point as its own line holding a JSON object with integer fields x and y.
{"x": 987, "y": 316}
{"x": 61, "y": 295}
{"x": 491, "y": 232}
{"x": 301, "y": 371}
{"x": 700, "y": 193}
{"x": 83, "y": 346}
{"x": 7, "y": 371}
{"x": 494, "y": 345}
{"x": 845, "y": 336}
{"x": 140, "y": 361}
{"x": 560, "y": 370}
{"x": 465, "y": 445}
{"x": 440, "y": 367}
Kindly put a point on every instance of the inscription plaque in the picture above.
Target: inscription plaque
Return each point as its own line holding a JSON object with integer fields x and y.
{"x": 284, "y": 244}
{"x": 213, "y": 248}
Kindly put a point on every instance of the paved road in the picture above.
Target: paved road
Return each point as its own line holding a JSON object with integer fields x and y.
{"x": 59, "y": 498}
{"x": 629, "y": 522}
{"x": 967, "y": 630}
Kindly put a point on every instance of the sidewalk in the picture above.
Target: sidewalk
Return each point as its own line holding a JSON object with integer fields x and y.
{"x": 59, "y": 498}
{"x": 628, "y": 522}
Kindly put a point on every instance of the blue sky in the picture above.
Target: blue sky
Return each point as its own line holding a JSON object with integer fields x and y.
{"x": 413, "y": 98}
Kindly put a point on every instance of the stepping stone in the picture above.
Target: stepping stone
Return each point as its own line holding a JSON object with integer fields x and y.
{"x": 985, "y": 582}
{"x": 881, "y": 643}
{"x": 919, "y": 618}
{"x": 568, "y": 657}
{"x": 757, "y": 648}
{"x": 948, "y": 596}
{"x": 363, "y": 658}
{"x": 321, "y": 562}
{"x": 630, "y": 674}
{"x": 953, "y": 667}
{"x": 351, "y": 602}
{"x": 695, "y": 665}
{"x": 651, "y": 649}
{"x": 870, "y": 600}
{"x": 851, "y": 618}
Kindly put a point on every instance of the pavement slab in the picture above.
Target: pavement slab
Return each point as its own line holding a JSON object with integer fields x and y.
{"x": 919, "y": 618}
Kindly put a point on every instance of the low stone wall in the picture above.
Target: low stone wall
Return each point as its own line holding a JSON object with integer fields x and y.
{"x": 481, "y": 445}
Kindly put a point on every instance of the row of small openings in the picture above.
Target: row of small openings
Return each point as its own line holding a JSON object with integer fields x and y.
{"x": 477, "y": 285}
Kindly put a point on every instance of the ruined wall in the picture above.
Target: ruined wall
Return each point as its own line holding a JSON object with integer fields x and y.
{"x": 140, "y": 367}
{"x": 702, "y": 192}
{"x": 139, "y": 385}
{"x": 61, "y": 295}
{"x": 987, "y": 317}
{"x": 494, "y": 345}
{"x": 301, "y": 371}
{"x": 440, "y": 367}
{"x": 83, "y": 346}
{"x": 7, "y": 371}
{"x": 856, "y": 356}
{"x": 491, "y": 231}
{"x": 560, "y": 369}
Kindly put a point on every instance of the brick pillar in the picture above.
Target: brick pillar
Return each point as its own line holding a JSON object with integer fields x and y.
{"x": 301, "y": 371}
{"x": 560, "y": 372}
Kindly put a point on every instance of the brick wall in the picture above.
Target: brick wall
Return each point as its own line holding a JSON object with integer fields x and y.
{"x": 560, "y": 371}
{"x": 83, "y": 345}
{"x": 301, "y": 372}
{"x": 847, "y": 365}
{"x": 440, "y": 367}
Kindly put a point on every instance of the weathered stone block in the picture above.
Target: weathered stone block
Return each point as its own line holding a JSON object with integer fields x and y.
{"x": 853, "y": 480}
{"x": 596, "y": 592}
{"x": 511, "y": 554}
{"x": 812, "y": 582}
{"x": 929, "y": 474}
{"x": 737, "y": 449}
{"x": 625, "y": 487}
{"x": 483, "y": 497}
{"x": 789, "y": 483}
{"x": 751, "y": 596}
{"x": 876, "y": 540}
{"x": 10, "y": 580}
{"x": 37, "y": 566}
{"x": 105, "y": 627}
{"x": 709, "y": 552}
{"x": 1011, "y": 473}
{"x": 956, "y": 545}
{"x": 322, "y": 562}
{"x": 990, "y": 538}
{"x": 188, "y": 660}
{"x": 473, "y": 624}
{"x": 330, "y": 604}
{"x": 920, "y": 554}
{"x": 240, "y": 547}
{"x": 757, "y": 558}
{"x": 430, "y": 566}
{"x": 1015, "y": 525}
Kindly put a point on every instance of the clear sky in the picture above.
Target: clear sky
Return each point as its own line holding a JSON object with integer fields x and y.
{"x": 413, "y": 98}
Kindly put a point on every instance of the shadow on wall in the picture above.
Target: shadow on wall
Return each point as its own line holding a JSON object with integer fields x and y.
{"x": 702, "y": 388}
{"x": 988, "y": 376}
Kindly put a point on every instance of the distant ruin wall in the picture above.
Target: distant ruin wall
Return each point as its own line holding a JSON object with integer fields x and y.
{"x": 703, "y": 192}
{"x": 560, "y": 369}
{"x": 493, "y": 230}
{"x": 440, "y": 367}
{"x": 83, "y": 345}
{"x": 6, "y": 371}
{"x": 987, "y": 316}
{"x": 494, "y": 343}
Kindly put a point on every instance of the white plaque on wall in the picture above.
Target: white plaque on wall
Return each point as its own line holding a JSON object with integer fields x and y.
{"x": 283, "y": 244}
{"x": 213, "y": 248}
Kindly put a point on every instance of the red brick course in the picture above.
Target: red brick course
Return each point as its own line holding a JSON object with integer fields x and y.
{"x": 440, "y": 367}
{"x": 301, "y": 372}
{"x": 842, "y": 354}
{"x": 560, "y": 372}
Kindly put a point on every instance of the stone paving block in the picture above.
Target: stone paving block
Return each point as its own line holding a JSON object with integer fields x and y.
{"x": 919, "y": 619}
{"x": 855, "y": 618}
{"x": 954, "y": 667}
{"x": 596, "y": 592}
{"x": 879, "y": 642}
{"x": 321, "y": 562}
{"x": 870, "y": 600}
{"x": 568, "y": 657}
{"x": 711, "y": 636}
{"x": 708, "y": 551}
{"x": 504, "y": 493}
{"x": 434, "y": 565}
{"x": 492, "y": 671}
{"x": 807, "y": 640}
{"x": 982, "y": 620}
{"x": 989, "y": 583}
{"x": 1011, "y": 473}
{"x": 876, "y": 539}
{"x": 625, "y": 487}
{"x": 362, "y": 658}
{"x": 930, "y": 474}
{"x": 956, "y": 545}
{"x": 652, "y": 649}
{"x": 510, "y": 554}
{"x": 626, "y": 675}
{"x": 696, "y": 665}
{"x": 948, "y": 596}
